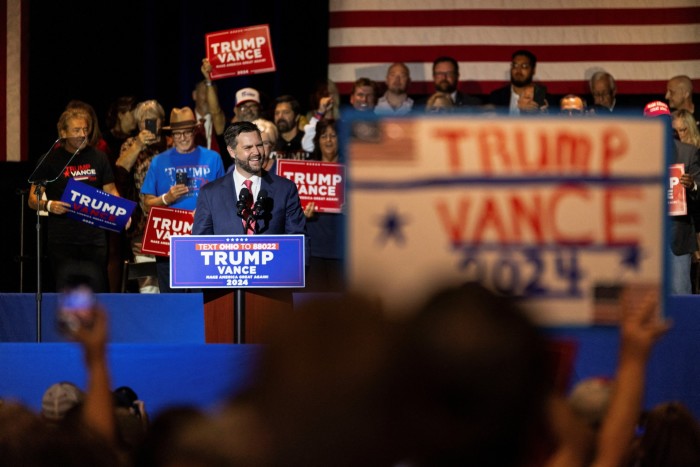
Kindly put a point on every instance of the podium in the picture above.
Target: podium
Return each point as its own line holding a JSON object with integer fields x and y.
{"x": 265, "y": 269}
{"x": 262, "y": 307}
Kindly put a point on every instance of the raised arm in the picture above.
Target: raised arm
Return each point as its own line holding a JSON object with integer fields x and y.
{"x": 640, "y": 328}
{"x": 217, "y": 115}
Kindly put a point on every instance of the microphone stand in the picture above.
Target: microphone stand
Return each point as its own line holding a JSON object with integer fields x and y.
{"x": 239, "y": 310}
{"x": 38, "y": 184}
{"x": 250, "y": 215}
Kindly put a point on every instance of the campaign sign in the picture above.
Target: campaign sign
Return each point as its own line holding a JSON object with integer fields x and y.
{"x": 676, "y": 192}
{"x": 97, "y": 208}
{"x": 320, "y": 182}
{"x": 237, "y": 261}
{"x": 240, "y": 51}
{"x": 562, "y": 213}
{"x": 162, "y": 223}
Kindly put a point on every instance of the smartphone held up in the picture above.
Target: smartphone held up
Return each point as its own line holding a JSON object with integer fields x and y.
{"x": 151, "y": 124}
{"x": 76, "y": 310}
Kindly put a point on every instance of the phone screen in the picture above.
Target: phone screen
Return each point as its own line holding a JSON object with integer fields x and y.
{"x": 75, "y": 308}
{"x": 151, "y": 125}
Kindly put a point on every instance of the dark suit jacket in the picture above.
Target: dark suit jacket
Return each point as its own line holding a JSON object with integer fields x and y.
{"x": 683, "y": 239}
{"x": 501, "y": 96}
{"x": 465, "y": 100}
{"x": 216, "y": 208}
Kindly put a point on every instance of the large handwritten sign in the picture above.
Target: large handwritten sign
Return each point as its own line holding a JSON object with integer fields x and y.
{"x": 161, "y": 224}
{"x": 550, "y": 210}
{"x": 241, "y": 51}
{"x": 245, "y": 261}
{"x": 97, "y": 208}
{"x": 319, "y": 182}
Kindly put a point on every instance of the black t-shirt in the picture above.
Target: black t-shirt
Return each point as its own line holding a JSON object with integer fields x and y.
{"x": 291, "y": 149}
{"x": 91, "y": 167}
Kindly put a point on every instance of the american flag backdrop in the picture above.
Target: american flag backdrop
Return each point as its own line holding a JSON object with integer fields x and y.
{"x": 13, "y": 90}
{"x": 642, "y": 43}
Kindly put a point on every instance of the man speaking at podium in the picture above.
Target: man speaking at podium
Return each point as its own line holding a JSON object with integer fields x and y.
{"x": 247, "y": 201}
{"x": 222, "y": 204}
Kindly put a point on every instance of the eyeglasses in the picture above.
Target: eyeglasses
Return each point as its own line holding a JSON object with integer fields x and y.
{"x": 182, "y": 134}
{"x": 446, "y": 74}
{"x": 522, "y": 66}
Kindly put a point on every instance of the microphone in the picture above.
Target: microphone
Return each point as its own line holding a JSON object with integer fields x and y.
{"x": 243, "y": 199}
{"x": 81, "y": 146}
{"x": 259, "y": 208}
{"x": 32, "y": 178}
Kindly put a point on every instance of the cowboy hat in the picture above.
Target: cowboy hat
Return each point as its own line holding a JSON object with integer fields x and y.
{"x": 181, "y": 119}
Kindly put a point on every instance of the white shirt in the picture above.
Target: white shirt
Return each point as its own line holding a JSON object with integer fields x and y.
{"x": 238, "y": 180}
{"x": 384, "y": 108}
{"x": 207, "y": 126}
{"x": 514, "y": 98}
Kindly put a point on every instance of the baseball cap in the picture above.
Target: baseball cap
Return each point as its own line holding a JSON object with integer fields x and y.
{"x": 247, "y": 94}
{"x": 656, "y": 108}
{"x": 59, "y": 398}
{"x": 590, "y": 398}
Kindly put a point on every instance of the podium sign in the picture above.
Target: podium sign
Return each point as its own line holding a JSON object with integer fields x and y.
{"x": 237, "y": 261}
{"x": 96, "y": 207}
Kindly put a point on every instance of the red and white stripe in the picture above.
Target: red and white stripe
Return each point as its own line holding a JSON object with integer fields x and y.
{"x": 642, "y": 43}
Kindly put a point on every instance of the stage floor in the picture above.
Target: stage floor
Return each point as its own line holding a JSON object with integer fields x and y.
{"x": 157, "y": 348}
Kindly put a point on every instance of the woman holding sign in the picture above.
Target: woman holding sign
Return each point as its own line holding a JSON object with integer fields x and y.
{"x": 325, "y": 230}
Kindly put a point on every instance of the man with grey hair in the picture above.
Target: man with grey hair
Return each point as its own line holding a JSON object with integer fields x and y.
{"x": 679, "y": 94}
{"x": 604, "y": 91}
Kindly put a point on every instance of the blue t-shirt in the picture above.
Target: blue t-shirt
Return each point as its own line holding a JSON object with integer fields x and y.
{"x": 201, "y": 166}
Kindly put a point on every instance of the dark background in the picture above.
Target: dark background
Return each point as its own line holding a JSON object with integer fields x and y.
{"x": 96, "y": 51}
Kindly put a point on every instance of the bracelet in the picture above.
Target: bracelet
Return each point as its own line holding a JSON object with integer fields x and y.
{"x": 162, "y": 198}
{"x": 47, "y": 205}
{"x": 318, "y": 116}
{"x": 207, "y": 83}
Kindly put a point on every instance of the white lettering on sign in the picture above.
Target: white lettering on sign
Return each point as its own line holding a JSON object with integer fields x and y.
{"x": 226, "y": 258}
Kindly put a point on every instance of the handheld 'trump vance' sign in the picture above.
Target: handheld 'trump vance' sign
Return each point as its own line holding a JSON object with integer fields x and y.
{"x": 240, "y": 51}
{"x": 322, "y": 183}
{"x": 551, "y": 210}
{"x": 97, "y": 208}
{"x": 162, "y": 223}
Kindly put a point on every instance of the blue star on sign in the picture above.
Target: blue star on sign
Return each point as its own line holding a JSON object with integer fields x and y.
{"x": 391, "y": 227}
{"x": 631, "y": 257}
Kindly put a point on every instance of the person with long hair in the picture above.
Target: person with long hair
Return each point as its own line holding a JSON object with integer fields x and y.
{"x": 325, "y": 230}
{"x": 685, "y": 127}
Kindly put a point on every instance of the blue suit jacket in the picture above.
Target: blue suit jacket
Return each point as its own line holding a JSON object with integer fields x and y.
{"x": 216, "y": 208}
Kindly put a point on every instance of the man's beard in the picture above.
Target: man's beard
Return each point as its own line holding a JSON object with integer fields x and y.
{"x": 245, "y": 165}
{"x": 445, "y": 86}
{"x": 521, "y": 83}
{"x": 283, "y": 126}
